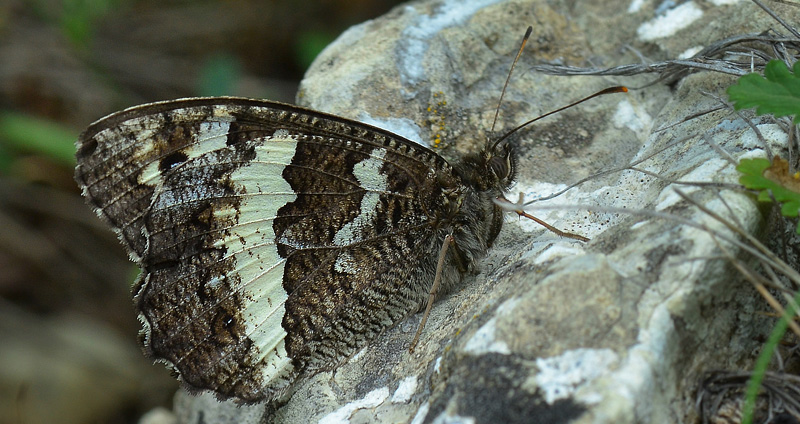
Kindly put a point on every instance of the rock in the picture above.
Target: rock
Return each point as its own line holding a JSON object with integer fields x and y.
{"x": 616, "y": 330}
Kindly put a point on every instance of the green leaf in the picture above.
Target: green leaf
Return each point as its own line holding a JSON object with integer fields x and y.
{"x": 778, "y": 93}
{"x": 772, "y": 180}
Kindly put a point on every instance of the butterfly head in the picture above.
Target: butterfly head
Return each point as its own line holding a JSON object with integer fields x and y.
{"x": 492, "y": 169}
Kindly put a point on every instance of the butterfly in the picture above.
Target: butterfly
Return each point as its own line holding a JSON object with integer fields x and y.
{"x": 276, "y": 241}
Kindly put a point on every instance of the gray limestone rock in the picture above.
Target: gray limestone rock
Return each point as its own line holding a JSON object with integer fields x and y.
{"x": 616, "y": 330}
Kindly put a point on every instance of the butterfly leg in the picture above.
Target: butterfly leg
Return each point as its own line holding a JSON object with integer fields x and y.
{"x": 448, "y": 240}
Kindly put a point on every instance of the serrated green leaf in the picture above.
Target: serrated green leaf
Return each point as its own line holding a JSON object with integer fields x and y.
{"x": 780, "y": 187}
{"x": 753, "y": 166}
{"x": 778, "y": 93}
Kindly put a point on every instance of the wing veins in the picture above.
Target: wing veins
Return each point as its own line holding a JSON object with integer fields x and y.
{"x": 300, "y": 285}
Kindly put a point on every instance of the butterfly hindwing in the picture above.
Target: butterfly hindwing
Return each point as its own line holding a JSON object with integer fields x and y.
{"x": 262, "y": 229}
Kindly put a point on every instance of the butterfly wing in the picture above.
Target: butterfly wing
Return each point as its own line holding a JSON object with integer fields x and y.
{"x": 274, "y": 241}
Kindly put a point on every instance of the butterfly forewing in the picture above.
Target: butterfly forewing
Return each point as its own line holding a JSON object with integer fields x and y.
{"x": 262, "y": 229}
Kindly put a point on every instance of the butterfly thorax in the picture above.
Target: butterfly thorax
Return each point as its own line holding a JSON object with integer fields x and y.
{"x": 476, "y": 220}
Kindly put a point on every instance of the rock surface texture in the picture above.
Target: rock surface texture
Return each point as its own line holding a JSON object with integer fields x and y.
{"x": 616, "y": 330}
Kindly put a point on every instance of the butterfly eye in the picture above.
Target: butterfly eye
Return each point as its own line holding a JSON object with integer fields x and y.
{"x": 501, "y": 164}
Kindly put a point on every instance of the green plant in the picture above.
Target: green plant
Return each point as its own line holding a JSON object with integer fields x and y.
{"x": 777, "y": 92}
{"x": 773, "y": 180}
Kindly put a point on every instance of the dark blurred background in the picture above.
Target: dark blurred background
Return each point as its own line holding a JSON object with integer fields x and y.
{"x": 68, "y": 351}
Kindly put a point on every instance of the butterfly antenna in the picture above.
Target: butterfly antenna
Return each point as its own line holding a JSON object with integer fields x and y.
{"x": 510, "y": 71}
{"x": 610, "y": 90}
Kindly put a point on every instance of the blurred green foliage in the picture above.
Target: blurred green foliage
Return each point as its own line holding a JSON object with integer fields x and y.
{"x": 78, "y": 17}
{"x": 309, "y": 45}
{"x": 26, "y": 134}
{"x": 219, "y": 75}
